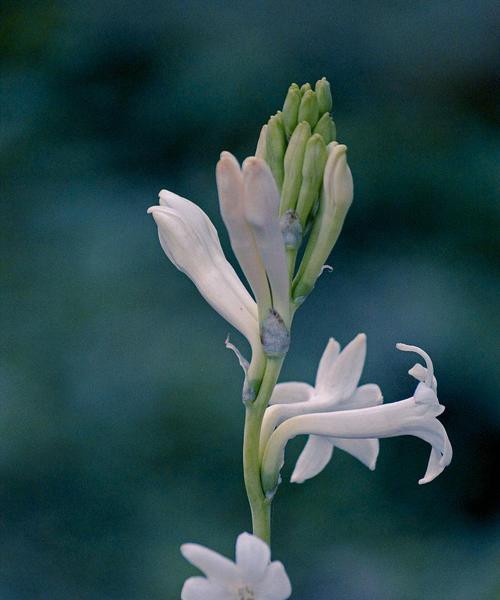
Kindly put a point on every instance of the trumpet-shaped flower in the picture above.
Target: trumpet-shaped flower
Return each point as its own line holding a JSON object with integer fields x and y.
{"x": 190, "y": 241}
{"x": 252, "y": 577}
{"x": 414, "y": 416}
{"x": 336, "y": 389}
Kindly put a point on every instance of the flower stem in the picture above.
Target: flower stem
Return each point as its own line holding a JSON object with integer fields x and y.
{"x": 260, "y": 506}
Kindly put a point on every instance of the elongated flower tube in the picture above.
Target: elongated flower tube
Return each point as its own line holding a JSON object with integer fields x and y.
{"x": 190, "y": 241}
{"x": 252, "y": 577}
{"x": 414, "y": 416}
{"x": 336, "y": 389}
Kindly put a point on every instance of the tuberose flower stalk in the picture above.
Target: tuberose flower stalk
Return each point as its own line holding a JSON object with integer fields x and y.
{"x": 295, "y": 192}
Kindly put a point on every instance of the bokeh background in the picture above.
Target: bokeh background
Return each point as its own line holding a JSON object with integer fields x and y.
{"x": 120, "y": 418}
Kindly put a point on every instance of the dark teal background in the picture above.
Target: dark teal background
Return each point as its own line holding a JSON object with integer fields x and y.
{"x": 120, "y": 418}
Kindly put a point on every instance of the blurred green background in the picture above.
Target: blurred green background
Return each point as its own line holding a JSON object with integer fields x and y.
{"x": 120, "y": 418}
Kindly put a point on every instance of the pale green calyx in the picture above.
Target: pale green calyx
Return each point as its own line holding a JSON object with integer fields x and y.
{"x": 275, "y": 147}
{"x": 294, "y": 159}
{"x": 312, "y": 175}
{"x": 309, "y": 109}
{"x": 324, "y": 95}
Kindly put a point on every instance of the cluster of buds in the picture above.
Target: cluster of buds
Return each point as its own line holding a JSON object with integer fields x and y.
{"x": 310, "y": 169}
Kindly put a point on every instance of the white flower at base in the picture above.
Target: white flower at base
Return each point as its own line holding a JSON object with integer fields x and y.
{"x": 252, "y": 577}
{"x": 336, "y": 389}
{"x": 414, "y": 416}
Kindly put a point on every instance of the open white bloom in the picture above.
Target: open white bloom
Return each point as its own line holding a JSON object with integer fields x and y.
{"x": 336, "y": 389}
{"x": 252, "y": 577}
{"x": 414, "y": 416}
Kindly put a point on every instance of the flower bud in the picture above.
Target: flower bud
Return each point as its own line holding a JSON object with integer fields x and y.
{"x": 260, "y": 151}
{"x": 324, "y": 95}
{"x": 304, "y": 88}
{"x": 291, "y": 109}
{"x": 309, "y": 110}
{"x": 275, "y": 147}
{"x": 326, "y": 128}
{"x": 336, "y": 198}
{"x": 294, "y": 158}
{"x": 312, "y": 176}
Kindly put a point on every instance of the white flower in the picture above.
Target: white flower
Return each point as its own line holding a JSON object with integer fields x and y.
{"x": 414, "y": 416}
{"x": 190, "y": 241}
{"x": 252, "y": 577}
{"x": 336, "y": 389}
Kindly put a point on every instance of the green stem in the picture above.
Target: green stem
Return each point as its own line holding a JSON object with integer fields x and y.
{"x": 260, "y": 506}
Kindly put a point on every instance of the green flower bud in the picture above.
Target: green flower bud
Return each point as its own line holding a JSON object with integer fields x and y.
{"x": 260, "y": 151}
{"x": 326, "y": 128}
{"x": 309, "y": 110}
{"x": 275, "y": 147}
{"x": 304, "y": 88}
{"x": 291, "y": 109}
{"x": 294, "y": 159}
{"x": 335, "y": 201}
{"x": 324, "y": 95}
{"x": 312, "y": 176}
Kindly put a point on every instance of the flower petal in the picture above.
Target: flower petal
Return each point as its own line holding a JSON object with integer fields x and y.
{"x": 275, "y": 585}
{"x": 212, "y": 564}
{"x": 327, "y": 361}
{"x": 313, "y": 459}
{"x": 364, "y": 396}
{"x": 291, "y": 391}
{"x": 252, "y": 557}
{"x": 262, "y": 201}
{"x": 190, "y": 241}
{"x": 232, "y": 207}
{"x": 343, "y": 376}
{"x": 419, "y": 372}
{"x": 366, "y": 451}
{"x": 199, "y": 588}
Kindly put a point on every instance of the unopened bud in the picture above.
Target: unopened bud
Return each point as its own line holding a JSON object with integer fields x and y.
{"x": 312, "y": 176}
{"x": 336, "y": 198}
{"x": 291, "y": 229}
{"x": 326, "y": 128}
{"x": 304, "y": 88}
{"x": 294, "y": 159}
{"x": 260, "y": 151}
{"x": 324, "y": 95}
{"x": 275, "y": 147}
{"x": 291, "y": 109}
{"x": 274, "y": 335}
{"x": 309, "y": 110}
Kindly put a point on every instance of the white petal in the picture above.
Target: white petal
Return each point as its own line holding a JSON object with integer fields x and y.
{"x": 326, "y": 363}
{"x": 232, "y": 207}
{"x": 188, "y": 240}
{"x": 275, "y": 585}
{"x": 343, "y": 376}
{"x": 215, "y": 566}
{"x": 366, "y": 451}
{"x": 291, "y": 391}
{"x": 252, "y": 557}
{"x": 262, "y": 201}
{"x": 406, "y": 417}
{"x": 313, "y": 459}
{"x": 199, "y": 588}
{"x": 364, "y": 396}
